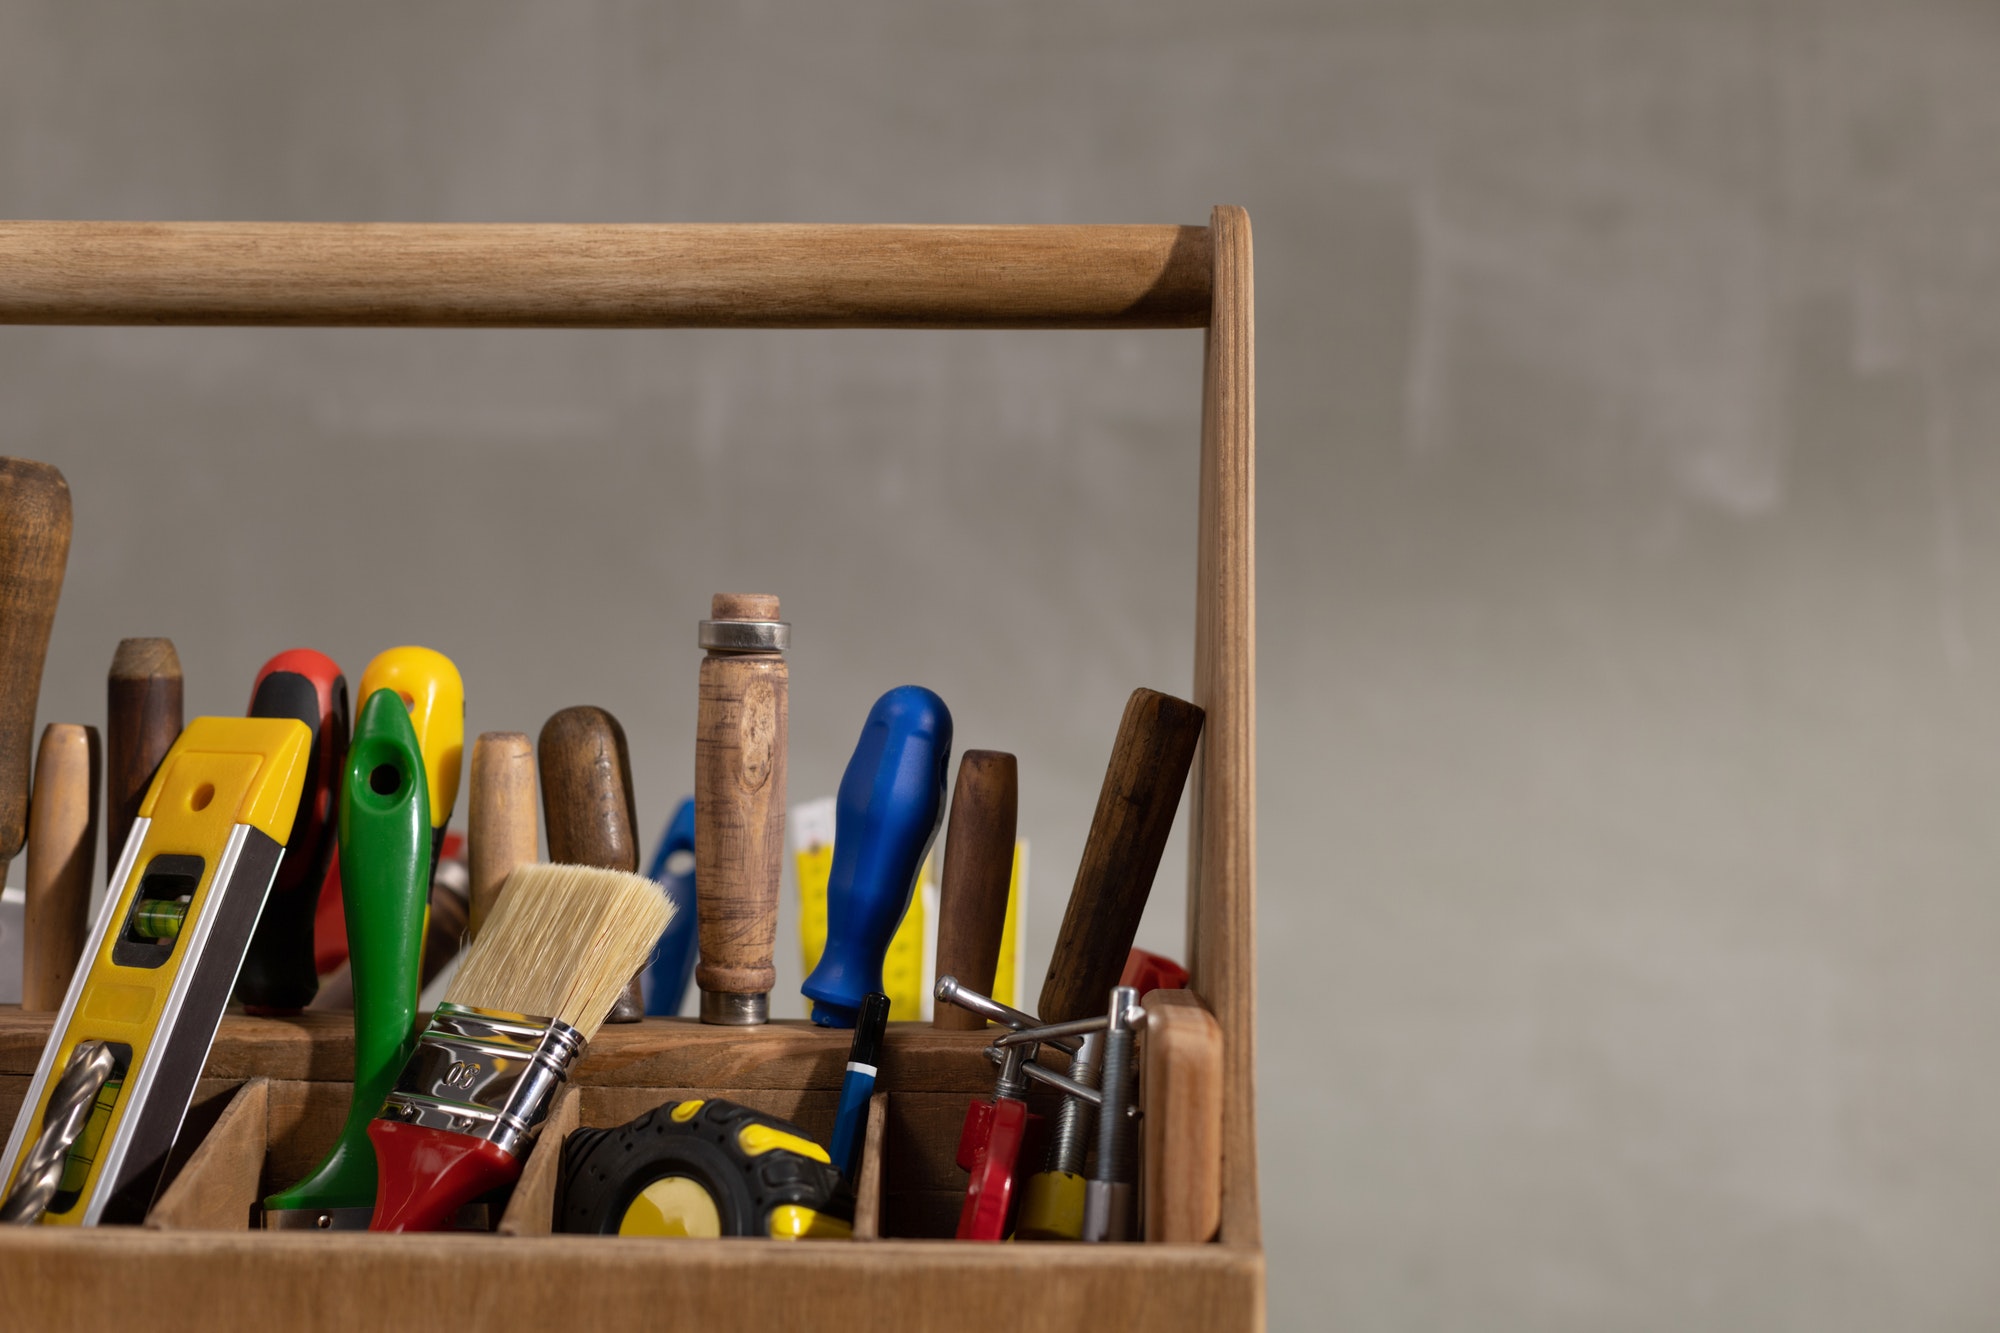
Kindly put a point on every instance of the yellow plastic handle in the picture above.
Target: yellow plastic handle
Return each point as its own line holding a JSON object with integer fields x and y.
{"x": 435, "y": 695}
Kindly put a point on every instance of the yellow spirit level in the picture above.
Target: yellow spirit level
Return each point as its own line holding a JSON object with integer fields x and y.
{"x": 159, "y": 967}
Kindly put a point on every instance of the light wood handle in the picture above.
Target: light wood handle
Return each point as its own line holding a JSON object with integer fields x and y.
{"x": 587, "y": 276}
{"x": 588, "y": 807}
{"x": 62, "y": 853}
{"x": 34, "y": 549}
{"x": 978, "y": 866}
{"x": 501, "y": 821}
{"x": 1135, "y": 812}
{"x": 739, "y": 811}
{"x": 1180, "y": 1068}
{"x": 142, "y": 722}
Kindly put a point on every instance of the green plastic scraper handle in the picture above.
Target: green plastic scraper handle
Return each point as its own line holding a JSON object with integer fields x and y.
{"x": 385, "y": 871}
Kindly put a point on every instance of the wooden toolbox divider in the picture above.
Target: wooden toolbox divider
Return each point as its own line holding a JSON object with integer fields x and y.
{"x": 276, "y": 1089}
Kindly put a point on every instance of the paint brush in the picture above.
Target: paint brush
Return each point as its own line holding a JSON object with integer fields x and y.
{"x": 534, "y": 988}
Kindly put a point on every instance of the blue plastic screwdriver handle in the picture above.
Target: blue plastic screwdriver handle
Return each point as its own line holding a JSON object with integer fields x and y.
{"x": 665, "y": 982}
{"x": 891, "y": 803}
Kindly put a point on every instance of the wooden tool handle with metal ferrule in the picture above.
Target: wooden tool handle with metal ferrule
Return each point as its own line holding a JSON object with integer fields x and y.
{"x": 1135, "y": 812}
{"x": 739, "y": 792}
{"x": 142, "y": 721}
{"x": 62, "y": 851}
{"x": 588, "y": 807}
{"x": 501, "y": 831}
{"x": 34, "y": 549}
{"x": 978, "y": 867}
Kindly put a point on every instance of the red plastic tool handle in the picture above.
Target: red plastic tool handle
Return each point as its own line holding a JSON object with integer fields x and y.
{"x": 424, "y": 1176}
{"x": 989, "y": 1147}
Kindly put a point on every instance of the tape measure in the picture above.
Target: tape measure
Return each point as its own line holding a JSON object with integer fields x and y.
{"x": 702, "y": 1168}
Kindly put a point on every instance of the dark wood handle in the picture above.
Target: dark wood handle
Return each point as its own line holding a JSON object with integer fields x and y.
{"x": 1135, "y": 812}
{"x": 587, "y": 790}
{"x": 588, "y": 808}
{"x": 62, "y": 852}
{"x": 978, "y": 865}
{"x": 34, "y": 549}
{"x": 142, "y": 722}
{"x": 501, "y": 819}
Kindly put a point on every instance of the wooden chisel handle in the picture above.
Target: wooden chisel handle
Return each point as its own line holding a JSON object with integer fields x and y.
{"x": 34, "y": 549}
{"x": 978, "y": 867}
{"x": 142, "y": 722}
{"x": 1135, "y": 812}
{"x": 62, "y": 852}
{"x": 739, "y": 804}
{"x": 587, "y": 804}
{"x": 501, "y": 831}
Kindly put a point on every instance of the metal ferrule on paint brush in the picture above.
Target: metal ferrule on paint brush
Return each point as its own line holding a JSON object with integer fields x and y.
{"x": 485, "y": 1074}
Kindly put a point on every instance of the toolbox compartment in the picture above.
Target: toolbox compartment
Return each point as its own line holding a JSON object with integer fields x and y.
{"x": 275, "y": 1090}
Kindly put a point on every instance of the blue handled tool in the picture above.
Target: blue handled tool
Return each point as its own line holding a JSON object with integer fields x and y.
{"x": 859, "y": 1085}
{"x": 673, "y": 868}
{"x": 891, "y": 803}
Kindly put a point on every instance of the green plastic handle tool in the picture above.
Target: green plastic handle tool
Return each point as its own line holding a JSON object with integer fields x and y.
{"x": 385, "y": 872}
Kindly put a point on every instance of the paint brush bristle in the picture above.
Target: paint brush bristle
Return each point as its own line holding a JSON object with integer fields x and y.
{"x": 561, "y": 943}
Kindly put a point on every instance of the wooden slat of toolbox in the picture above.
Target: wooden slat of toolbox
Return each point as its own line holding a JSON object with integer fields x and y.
{"x": 695, "y": 276}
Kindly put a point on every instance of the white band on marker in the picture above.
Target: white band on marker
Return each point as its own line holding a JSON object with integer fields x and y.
{"x": 856, "y": 1067}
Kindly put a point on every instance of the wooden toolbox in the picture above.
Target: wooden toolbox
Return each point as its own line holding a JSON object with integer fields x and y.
{"x": 276, "y": 1089}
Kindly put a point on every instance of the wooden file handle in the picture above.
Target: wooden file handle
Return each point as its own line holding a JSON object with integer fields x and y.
{"x": 739, "y": 812}
{"x": 978, "y": 866}
{"x": 587, "y": 790}
{"x": 142, "y": 722}
{"x": 1135, "y": 812}
{"x": 588, "y": 807}
{"x": 34, "y": 549}
{"x": 501, "y": 831}
{"x": 62, "y": 852}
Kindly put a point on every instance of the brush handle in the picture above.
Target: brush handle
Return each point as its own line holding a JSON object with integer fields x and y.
{"x": 62, "y": 852}
{"x": 739, "y": 821}
{"x": 588, "y": 807}
{"x": 278, "y": 975}
{"x": 501, "y": 832}
{"x": 142, "y": 721}
{"x": 1135, "y": 812}
{"x": 34, "y": 548}
{"x": 978, "y": 867}
{"x": 385, "y": 850}
{"x": 428, "y": 1174}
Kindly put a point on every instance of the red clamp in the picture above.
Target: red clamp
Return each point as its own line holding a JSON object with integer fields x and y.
{"x": 990, "y": 1148}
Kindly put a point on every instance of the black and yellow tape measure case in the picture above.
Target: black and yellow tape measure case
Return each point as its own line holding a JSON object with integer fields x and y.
{"x": 702, "y": 1168}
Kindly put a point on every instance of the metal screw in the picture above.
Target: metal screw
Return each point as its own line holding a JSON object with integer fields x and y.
{"x": 1108, "y": 1196}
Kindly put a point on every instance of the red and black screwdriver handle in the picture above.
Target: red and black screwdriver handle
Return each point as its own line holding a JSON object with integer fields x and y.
{"x": 278, "y": 973}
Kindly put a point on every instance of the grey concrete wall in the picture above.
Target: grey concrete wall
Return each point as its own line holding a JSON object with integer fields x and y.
{"x": 1628, "y": 540}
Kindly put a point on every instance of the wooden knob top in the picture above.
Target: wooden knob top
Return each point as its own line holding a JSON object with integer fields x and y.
{"x": 145, "y": 659}
{"x": 743, "y": 606}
